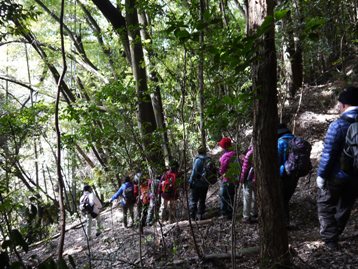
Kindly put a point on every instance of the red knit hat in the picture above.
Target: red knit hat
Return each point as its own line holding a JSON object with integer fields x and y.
{"x": 225, "y": 143}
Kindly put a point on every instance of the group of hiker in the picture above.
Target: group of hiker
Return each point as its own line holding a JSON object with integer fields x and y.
{"x": 337, "y": 179}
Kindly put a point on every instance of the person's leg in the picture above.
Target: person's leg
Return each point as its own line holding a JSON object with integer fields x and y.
{"x": 246, "y": 201}
{"x": 223, "y": 193}
{"x": 172, "y": 211}
{"x": 327, "y": 201}
{"x": 345, "y": 204}
{"x": 98, "y": 225}
{"x": 144, "y": 214}
{"x": 131, "y": 213}
{"x": 89, "y": 226}
{"x": 202, "y": 199}
{"x": 289, "y": 185}
{"x": 164, "y": 210}
{"x": 193, "y": 201}
{"x": 150, "y": 213}
{"x": 253, "y": 213}
{"x": 125, "y": 211}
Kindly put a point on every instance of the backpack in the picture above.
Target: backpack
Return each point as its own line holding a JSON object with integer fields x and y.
{"x": 128, "y": 194}
{"x": 210, "y": 172}
{"x": 87, "y": 208}
{"x": 168, "y": 185}
{"x": 145, "y": 195}
{"x": 349, "y": 156}
{"x": 298, "y": 161}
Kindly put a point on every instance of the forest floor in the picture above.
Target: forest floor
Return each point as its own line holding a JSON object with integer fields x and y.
{"x": 171, "y": 246}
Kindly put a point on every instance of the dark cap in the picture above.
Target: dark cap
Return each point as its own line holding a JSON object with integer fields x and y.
{"x": 349, "y": 96}
{"x": 87, "y": 188}
{"x": 202, "y": 150}
{"x": 282, "y": 129}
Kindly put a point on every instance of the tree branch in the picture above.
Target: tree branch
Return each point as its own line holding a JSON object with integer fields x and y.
{"x": 114, "y": 16}
{"x": 76, "y": 39}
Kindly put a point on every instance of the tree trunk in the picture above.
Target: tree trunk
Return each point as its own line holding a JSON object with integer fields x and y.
{"x": 273, "y": 234}
{"x": 146, "y": 118}
{"x": 156, "y": 96}
{"x": 114, "y": 16}
{"x": 292, "y": 56}
{"x": 58, "y": 133}
{"x": 201, "y": 74}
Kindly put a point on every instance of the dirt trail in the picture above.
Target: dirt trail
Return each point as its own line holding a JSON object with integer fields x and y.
{"x": 118, "y": 247}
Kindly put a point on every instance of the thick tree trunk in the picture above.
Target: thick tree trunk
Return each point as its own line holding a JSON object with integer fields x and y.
{"x": 274, "y": 242}
{"x": 156, "y": 96}
{"x": 146, "y": 118}
{"x": 292, "y": 57}
{"x": 114, "y": 16}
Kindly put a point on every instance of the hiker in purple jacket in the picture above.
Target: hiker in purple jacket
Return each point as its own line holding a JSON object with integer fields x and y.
{"x": 229, "y": 177}
{"x": 249, "y": 214}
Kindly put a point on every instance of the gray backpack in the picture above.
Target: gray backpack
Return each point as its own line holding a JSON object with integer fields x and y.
{"x": 349, "y": 156}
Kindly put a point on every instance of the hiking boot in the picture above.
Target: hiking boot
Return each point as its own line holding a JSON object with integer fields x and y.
{"x": 331, "y": 245}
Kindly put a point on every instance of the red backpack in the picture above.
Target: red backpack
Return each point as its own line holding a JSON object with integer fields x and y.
{"x": 168, "y": 185}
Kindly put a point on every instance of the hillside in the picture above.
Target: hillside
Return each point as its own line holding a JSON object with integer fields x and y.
{"x": 171, "y": 246}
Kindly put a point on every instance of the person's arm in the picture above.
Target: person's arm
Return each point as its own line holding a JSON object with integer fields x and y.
{"x": 246, "y": 165}
{"x": 194, "y": 172}
{"x": 333, "y": 145}
{"x": 224, "y": 164}
{"x": 282, "y": 146}
{"x": 118, "y": 193}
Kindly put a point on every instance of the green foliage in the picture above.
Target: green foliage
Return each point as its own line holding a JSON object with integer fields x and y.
{"x": 12, "y": 15}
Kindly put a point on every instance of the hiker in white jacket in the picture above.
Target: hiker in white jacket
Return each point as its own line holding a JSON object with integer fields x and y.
{"x": 90, "y": 206}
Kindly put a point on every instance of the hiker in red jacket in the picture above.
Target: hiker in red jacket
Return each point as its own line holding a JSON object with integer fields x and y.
{"x": 169, "y": 192}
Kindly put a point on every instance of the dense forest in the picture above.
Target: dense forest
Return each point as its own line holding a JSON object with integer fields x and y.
{"x": 94, "y": 91}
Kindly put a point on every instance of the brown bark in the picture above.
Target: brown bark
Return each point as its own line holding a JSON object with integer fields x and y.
{"x": 114, "y": 16}
{"x": 98, "y": 33}
{"x": 156, "y": 96}
{"x": 292, "y": 56}
{"x": 58, "y": 132}
{"x": 273, "y": 234}
{"x": 146, "y": 118}
{"x": 201, "y": 75}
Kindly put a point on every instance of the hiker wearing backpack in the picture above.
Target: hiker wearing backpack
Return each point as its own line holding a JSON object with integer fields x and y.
{"x": 154, "y": 200}
{"x": 90, "y": 206}
{"x": 247, "y": 178}
{"x": 289, "y": 182}
{"x": 294, "y": 162}
{"x": 199, "y": 184}
{"x": 169, "y": 192}
{"x": 126, "y": 192}
{"x": 338, "y": 186}
{"x": 144, "y": 200}
{"x": 229, "y": 174}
